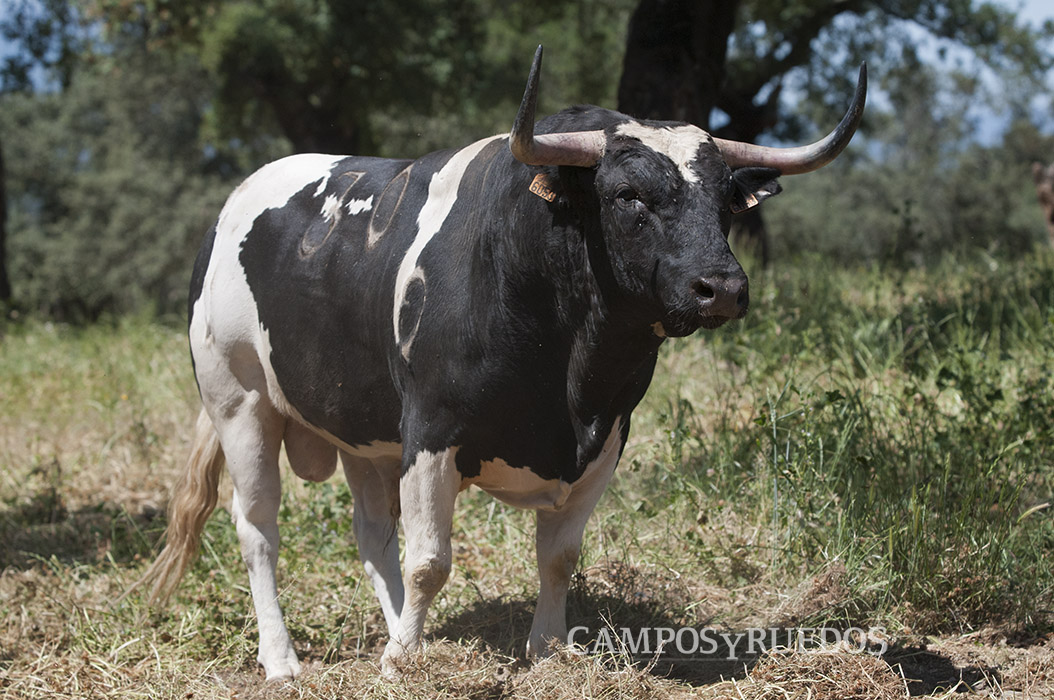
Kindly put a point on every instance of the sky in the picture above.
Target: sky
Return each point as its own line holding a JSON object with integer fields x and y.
{"x": 1034, "y": 11}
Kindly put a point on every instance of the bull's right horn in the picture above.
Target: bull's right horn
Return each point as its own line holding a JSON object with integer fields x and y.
{"x": 581, "y": 148}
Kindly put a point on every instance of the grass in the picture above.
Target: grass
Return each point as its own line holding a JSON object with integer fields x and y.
{"x": 867, "y": 448}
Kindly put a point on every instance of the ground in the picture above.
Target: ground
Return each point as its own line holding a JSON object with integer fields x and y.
{"x": 876, "y": 458}
{"x": 64, "y": 636}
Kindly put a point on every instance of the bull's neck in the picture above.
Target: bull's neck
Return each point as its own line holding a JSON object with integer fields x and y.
{"x": 604, "y": 347}
{"x": 613, "y": 349}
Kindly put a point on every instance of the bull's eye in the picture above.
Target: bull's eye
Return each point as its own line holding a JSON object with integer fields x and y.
{"x": 626, "y": 195}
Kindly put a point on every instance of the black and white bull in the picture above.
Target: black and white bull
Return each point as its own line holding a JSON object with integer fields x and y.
{"x": 486, "y": 316}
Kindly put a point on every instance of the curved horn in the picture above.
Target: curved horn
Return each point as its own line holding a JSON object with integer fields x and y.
{"x": 582, "y": 148}
{"x": 801, "y": 159}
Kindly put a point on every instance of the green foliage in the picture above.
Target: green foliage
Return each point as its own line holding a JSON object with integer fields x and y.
{"x": 157, "y": 108}
{"x": 901, "y": 426}
{"x": 113, "y": 180}
{"x": 394, "y": 79}
{"x": 318, "y": 71}
{"x": 351, "y": 77}
{"x": 814, "y": 46}
{"x": 916, "y": 189}
{"x": 894, "y": 427}
{"x": 584, "y": 44}
{"x": 47, "y": 35}
{"x": 110, "y": 189}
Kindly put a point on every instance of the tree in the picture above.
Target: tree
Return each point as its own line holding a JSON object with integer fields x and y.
{"x": 47, "y": 41}
{"x": 376, "y": 78}
{"x": 45, "y": 35}
{"x": 313, "y": 71}
{"x": 675, "y": 58}
{"x": 122, "y": 150}
{"x": 923, "y": 188}
{"x": 110, "y": 187}
{"x": 5, "y": 283}
{"x": 714, "y": 57}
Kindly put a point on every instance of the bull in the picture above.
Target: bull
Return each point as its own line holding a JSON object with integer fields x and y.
{"x": 1044, "y": 181}
{"x": 486, "y": 316}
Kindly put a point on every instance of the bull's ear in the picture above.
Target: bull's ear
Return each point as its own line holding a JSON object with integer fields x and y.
{"x": 752, "y": 186}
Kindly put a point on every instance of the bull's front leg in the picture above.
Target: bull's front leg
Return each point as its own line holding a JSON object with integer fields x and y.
{"x": 558, "y": 542}
{"x": 427, "y": 491}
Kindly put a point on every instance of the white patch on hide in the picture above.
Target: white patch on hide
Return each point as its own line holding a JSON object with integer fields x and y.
{"x": 442, "y": 193}
{"x": 357, "y": 206}
{"x": 226, "y": 322}
{"x": 679, "y": 143}
{"x": 331, "y": 209}
{"x": 522, "y": 488}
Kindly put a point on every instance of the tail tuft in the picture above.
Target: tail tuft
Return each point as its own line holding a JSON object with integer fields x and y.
{"x": 193, "y": 500}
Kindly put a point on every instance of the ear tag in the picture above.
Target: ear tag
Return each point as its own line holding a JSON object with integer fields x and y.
{"x": 749, "y": 201}
{"x": 540, "y": 187}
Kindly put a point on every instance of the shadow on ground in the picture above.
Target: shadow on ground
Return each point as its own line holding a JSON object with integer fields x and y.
{"x": 612, "y": 605}
{"x": 603, "y": 609}
{"x": 40, "y": 528}
{"x": 619, "y": 600}
{"x": 927, "y": 672}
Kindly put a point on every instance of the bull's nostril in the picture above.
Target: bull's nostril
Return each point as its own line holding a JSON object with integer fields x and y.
{"x": 721, "y": 296}
{"x": 702, "y": 289}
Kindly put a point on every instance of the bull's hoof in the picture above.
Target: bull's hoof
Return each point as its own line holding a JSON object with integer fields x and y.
{"x": 544, "y": 646}
{"x": 392, "y": 666}
{"x": 395, "y": 658}
{"x": 282, "y": 668}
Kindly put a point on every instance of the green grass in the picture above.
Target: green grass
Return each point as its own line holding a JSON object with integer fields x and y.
{"x": 898, "y": 423}
{"x": 867, "y": 447}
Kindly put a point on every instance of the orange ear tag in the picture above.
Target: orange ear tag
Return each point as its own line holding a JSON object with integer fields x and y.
{"x": 750, "y": 203}
{"x": 540, "y": 187}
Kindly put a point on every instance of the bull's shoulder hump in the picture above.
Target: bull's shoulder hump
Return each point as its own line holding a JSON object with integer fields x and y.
{"x": 271, "y": 187}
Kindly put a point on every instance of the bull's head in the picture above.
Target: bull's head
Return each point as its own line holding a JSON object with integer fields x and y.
{"x": 1044, "y": 179}
{"x": 667, "y": 192}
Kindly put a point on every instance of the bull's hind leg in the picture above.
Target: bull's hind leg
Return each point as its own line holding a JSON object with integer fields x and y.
{"x": 251, "y": 435}
{"x": 375, "y": 487}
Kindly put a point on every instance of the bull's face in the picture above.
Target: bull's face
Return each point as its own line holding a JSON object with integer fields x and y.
{"x": 666, "y": 199}
{"x": 666, "y": 193}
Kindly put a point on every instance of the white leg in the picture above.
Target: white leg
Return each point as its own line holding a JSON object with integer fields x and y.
{"x": 427, "y": 493}
{"x": 558, "y": 542}
{"x": 251, "y": 440}
{"x": 375, "y": 488}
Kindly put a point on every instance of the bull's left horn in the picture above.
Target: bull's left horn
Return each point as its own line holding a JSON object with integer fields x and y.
{"x": 801, "y": 159}
{"x": 581, "y": 148}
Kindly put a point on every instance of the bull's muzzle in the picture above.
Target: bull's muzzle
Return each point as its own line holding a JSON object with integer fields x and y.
{"x": 722, "y": 299}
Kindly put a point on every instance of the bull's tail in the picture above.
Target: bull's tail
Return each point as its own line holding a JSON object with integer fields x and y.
{"x": 193, "y": 500}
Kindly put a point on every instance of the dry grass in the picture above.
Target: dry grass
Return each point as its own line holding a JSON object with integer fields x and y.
{"x": 95, "y": 425}
{"x": 818, "y": 675}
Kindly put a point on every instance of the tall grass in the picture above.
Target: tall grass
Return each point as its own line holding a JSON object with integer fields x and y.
{"x": 896, "y": 423}
{"x": 868, "y": 446}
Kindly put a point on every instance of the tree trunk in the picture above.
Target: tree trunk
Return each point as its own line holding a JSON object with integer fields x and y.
{"x": 675, "y": 59}
{"x": 675, "y": 69}
{"x": 5, "y": 284}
